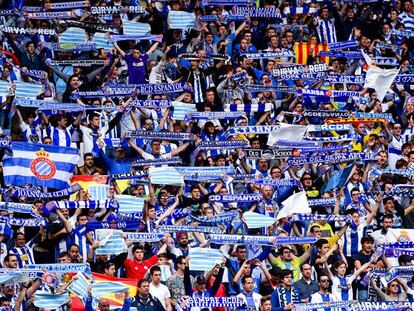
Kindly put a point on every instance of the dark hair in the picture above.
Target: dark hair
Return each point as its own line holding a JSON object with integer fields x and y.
{"x": 284, "y": 273}
{"x": 87, "y": 154}
{"x": 154, "y": 269}
{"x": 7, "y": 258}
{"x": 136, "y": 247}
{"x": 93, "y": 115}
{"x": 142, "y": 281}
{"x": 305, "y": 263}
{"x": 313, "y": 228}
{"x": 244, "y": 278}
{"x": 386, "y": 199}
{"x": 108, "y": 264}
{"x": 239, "y": 247}
{"x": 64, "y": 254}
{"x": 28, "y": 43}
{"x": 264, "y": 299}
{"x": 320, "y": 243}
{"x": 180, "y": 258}
{"x": 338, "y": 263}
{"x": 320, "y": 275}
{"x": 404, "y": 258}
{"x": 366, "y": 239}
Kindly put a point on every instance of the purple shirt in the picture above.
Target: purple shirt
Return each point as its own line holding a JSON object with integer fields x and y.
{"x": 136, "y": 68}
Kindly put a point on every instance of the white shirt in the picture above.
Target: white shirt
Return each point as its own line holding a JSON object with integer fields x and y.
{"x": 161, "y": 292}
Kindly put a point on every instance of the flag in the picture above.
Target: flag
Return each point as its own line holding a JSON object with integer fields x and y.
{"x": 303, "y": 50}
{"x": 128, "y": 204}
{"x": 165, "y": 176}
{"x": 181, "y": 110}
{"x": 72, "y": 35}
{"x": 110, "y": 242}
{"x": 116, "y": 299}
{"x": 99, "y": 192}
{"x": 6, "y": 230}
{"x": 102, "y": 41}
{"x": 86, "y": 181}
{"x": 135, "y": 28}
{"x": 181, "y": 20}
{"x": 338, "y": 179}
{"x": 287, "y": 132}
{"x": 377, "y": 78}
{"x": 39, "y": 165}
{"x": 256, "y": 220}
{"x": 50, "y": 301}
{"x": 4, "y": 88}
{"x": 27, "y": 90}
{"x": 203, "y": 259}
{"x": 296, "y": 203}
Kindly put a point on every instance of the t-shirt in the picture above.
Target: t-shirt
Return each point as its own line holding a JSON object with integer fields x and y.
{"x": 161, "y": 292}
{"x": 136, "y": 270}
{"x": 293, "y": 265}
{"x": 136, "y": 68}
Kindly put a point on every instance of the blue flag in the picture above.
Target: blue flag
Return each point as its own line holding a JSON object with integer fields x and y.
{"x": 338, "y": 179}
{"x": 40, "y": 165}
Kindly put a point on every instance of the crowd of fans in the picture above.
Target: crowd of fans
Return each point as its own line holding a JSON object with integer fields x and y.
{"x": 336, "y": 267}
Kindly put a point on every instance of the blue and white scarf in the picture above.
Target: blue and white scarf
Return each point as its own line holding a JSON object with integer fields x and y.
{"x": 259, "y": 240}
{"x": 333, "y": 158}
{"x": 402, "y": 33}
{"x": 240, "y": 198}
{"x": 219, "y": 115}
{"x": 223, "y": 218}
{"x": 157, "y": 162}
{"x": 189, "y": 228}
{"x": 211, "y": 302}
{"x": 150, "y": 135}
{"x": 343, "y": 45}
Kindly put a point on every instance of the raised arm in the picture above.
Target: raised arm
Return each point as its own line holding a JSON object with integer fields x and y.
{"x": 152, "y": 48}
{"x": 120, "y": 51}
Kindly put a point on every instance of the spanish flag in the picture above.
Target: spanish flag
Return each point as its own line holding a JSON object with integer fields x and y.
{"x": 303, "y": 50}
{"x": 116, "y": 300}
{"x": 85, "y": 181}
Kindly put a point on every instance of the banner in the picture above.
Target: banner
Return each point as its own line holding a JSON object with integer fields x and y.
{"x": 239, "y": 198}
{"x": 270, "y": 154}
{"x": 204, "y": 259}
{"x": 189, "y": 228}
{"x": 259, "y": 240}
{"x": 304, "y": 49}
{"x": 300, "y": 69}
{"x": 333, "y": 158}
{"x": 40, "y": 165}
{"x": 181, "y": 20}
{"x": 151, "y": 135}
{"x": 379, "y": 79}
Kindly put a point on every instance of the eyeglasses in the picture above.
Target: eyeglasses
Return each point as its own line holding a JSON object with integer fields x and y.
{"x": 397, "y": 127}
{"x": 324, "y": 281}
{"x": 394, "y": 285}
{"x": 307, "y": 178}
{"x": 146, "y": 123}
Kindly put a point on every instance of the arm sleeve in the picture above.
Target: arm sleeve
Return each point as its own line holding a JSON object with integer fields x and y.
{"x": 275, "y": 302}
{"x": 127, "y": 304}
{"x": 119, "y": 260}
{"x": 263, "y": 255}
{"x": 187, "y": 282}
{"x": 216, "y": 285}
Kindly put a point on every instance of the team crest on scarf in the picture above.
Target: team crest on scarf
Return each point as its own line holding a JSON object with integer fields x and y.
{"x": 42, "y": 167}
{"x": 403, "y": 237}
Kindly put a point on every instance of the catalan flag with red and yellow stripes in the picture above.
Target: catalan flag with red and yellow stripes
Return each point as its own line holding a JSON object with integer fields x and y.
{"x": 303, "y": 50}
